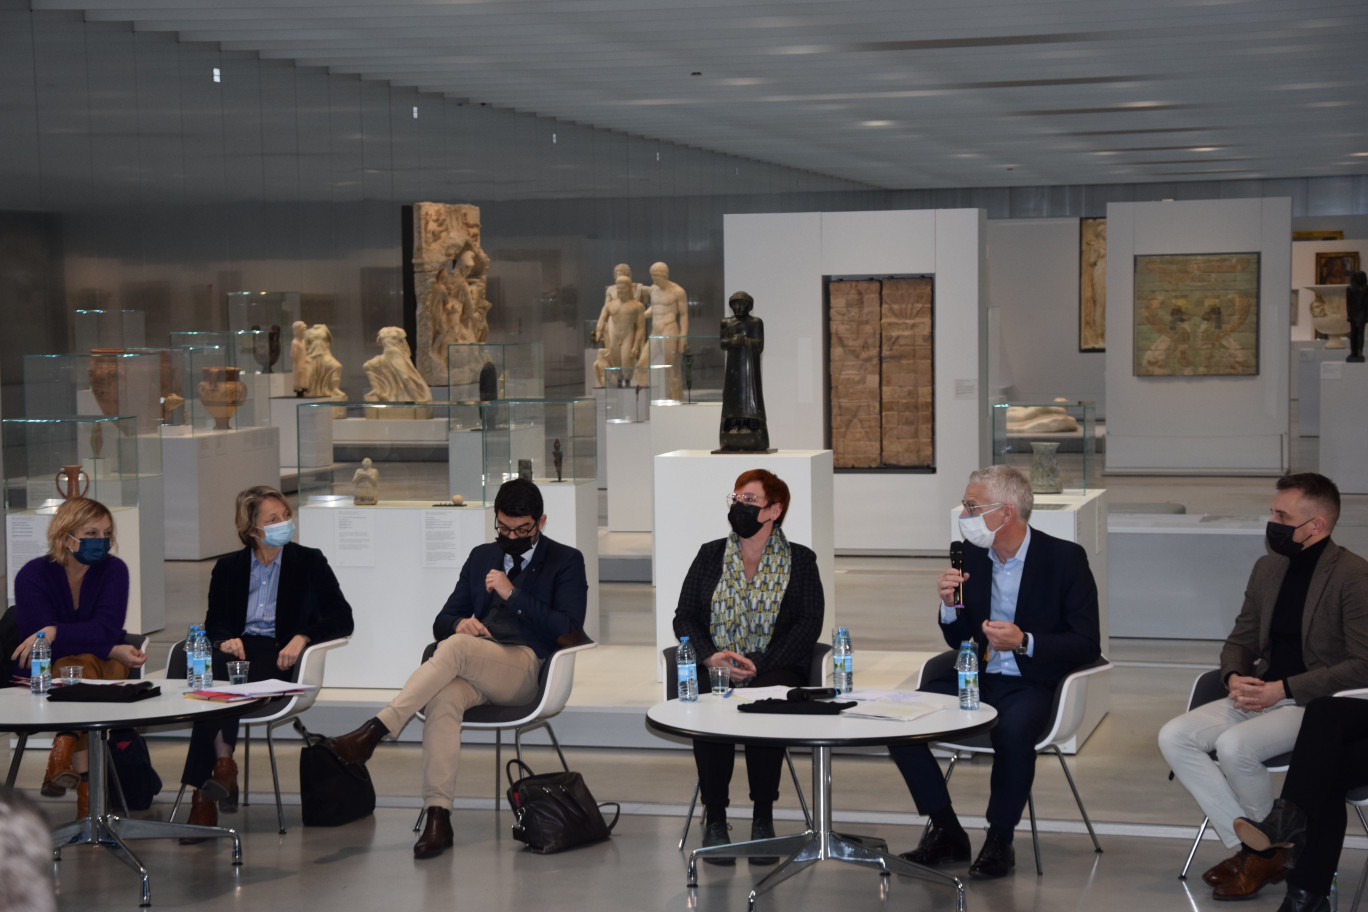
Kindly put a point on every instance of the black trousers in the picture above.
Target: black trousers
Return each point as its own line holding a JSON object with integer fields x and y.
{"x": 764, "y": 765}
{"x": 1023, "y": 712}
{"x": 261, "y": 651}
{"x": 1330, "y": 758}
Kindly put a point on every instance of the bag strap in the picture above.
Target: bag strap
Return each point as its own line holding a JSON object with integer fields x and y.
{"x": 617, "y": 812}
{"x": 310, "y": 739}
{"x": 508, "y": 769}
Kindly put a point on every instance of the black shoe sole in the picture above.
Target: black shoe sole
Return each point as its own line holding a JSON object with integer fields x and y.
{"x": 939, "y": 862}
{"x": 759, "y": 860}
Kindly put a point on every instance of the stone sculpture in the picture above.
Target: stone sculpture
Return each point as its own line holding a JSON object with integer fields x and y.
{"x": 744, "y": 428}
{"x": 525, "y": 469}
{"x": 366, "y": 484}
{"x": 601, "y": 365}
{"x": 325, "y": 371}
{"x": 624, "y": 321}
{"x": 610, "y": 295}
{"x": 1039, "y": 419}
{"x": 392, "y": 374}
{"x": 1356, "y": 309}
{"x": 450, "y": 276}
{"x": 299, "y": 357}
{"x": 670, "y": 318}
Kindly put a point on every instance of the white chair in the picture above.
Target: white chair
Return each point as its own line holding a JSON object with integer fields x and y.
{"x": 557, "y": 680}
{"x": 1070, "y": 700}
{"x": 273, "y": 715}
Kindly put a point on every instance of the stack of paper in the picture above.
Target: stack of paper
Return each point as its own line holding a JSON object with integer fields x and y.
{"x": 254, "y": 690}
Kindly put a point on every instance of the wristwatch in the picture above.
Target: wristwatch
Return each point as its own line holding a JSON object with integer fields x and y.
{"x": 1025, "y": 644}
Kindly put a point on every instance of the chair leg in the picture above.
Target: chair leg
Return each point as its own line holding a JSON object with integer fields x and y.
{"x": 1363, "y": 875}
{"x": 551, "y": 733}
{"x": 1097, "y": 847}
{"x": 798, "y": 789}
{"x": 275, "y": 779}
{"x": 418, "y": 824}
{"x": 247, "y": 764}
{"x": 954, "y": 758}
{"x": 171, "y": 818}
{"x": 14, "y": 764}
{"x": 1195, "y": 843}
{"x": 1035, "y": 834}
{"x": 498, "y": 767}
{"x": 688, "y": 817}
{"x": 114, "y": 778}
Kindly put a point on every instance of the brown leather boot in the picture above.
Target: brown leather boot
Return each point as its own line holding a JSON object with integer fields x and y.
{"x": 83, "y": 800}
{"x": 60, "y": 775}
{"x": 437, "y": 837}
{"x": 203, "y": 812}
{"x": 357, "y": 746}
{"x": 1254, "y": 873}
{"x": 222, "y": 786}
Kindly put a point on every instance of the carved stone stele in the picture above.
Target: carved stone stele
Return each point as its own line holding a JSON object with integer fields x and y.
{"x": 450, "y": 274}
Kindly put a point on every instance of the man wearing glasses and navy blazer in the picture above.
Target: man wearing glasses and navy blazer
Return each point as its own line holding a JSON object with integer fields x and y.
{"x": 1030, "y": 606}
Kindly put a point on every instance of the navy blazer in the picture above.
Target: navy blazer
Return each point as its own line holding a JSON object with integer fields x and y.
{"x": 549, "y": 596}
{"x": 1056, "y": 605}
{"x": 308, "y": 598}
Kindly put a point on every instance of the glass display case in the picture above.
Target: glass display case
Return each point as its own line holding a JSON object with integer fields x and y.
{"x": 496, "y": 370}
{"x": 685, "y": 369}
{"x": 271, "y": 312}
{"x": 101, "y": 383}
{"x": 552, "y": 440}
{"x": 624, "y": 401}
{"x": 48, "y": 460}
{"x": 217, "y": 398}
{"x": 109, "y": 329}
{"x": 1053, "y": 443}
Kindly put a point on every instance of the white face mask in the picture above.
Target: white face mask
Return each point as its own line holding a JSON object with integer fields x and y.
{"x": 976, "y": 532}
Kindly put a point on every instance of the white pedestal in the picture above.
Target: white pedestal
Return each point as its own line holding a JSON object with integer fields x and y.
{"x": 690, "y": 509}
{"x": 317, "y": 436}
{"x": 629, "y": 480}
{"x": 397, "y": 563}
{"x": 204, "y": 474}
{"x": 281, "y": 385}
{"x": 1082, "y": 519}
{"x": 1308, "y": 397}
{"x": 601, "y": 417}
{"x": 1344, "y": 432}
{"x": 572, "y": 519}
{"x": 685, "y": 427}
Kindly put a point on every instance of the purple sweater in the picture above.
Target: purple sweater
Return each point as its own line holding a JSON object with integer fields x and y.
{"x": 42, "y": 597}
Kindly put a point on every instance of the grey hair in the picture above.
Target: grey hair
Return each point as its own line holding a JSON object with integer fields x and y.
{"x": 25, "y": 856}
{"x": 1006, "y": 485}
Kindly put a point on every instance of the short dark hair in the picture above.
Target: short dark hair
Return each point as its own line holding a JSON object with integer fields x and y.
{"x": 1319, "y": 490}
{"x": 519, "y": 497}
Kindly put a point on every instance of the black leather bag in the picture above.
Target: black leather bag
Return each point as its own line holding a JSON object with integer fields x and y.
{"x": 331, "y": 792}
{"x": 138, "y": 781}
{"x": 555, "y": 811}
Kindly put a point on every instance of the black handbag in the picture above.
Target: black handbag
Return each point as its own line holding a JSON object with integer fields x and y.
{"x": 132, "y": 766}
{"x": 331, "y": 792}
{"x": 555, "y": 811}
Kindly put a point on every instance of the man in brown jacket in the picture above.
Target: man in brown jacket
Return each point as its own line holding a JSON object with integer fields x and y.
{"x": 1302, "y": 633}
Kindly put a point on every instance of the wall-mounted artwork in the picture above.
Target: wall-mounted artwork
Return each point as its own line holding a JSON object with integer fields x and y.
{"x": 1092, "y": 284}
{"x": 1197, "y": 315}
{"x": 880, "y": 365}
{"x": 1336, "y": 268}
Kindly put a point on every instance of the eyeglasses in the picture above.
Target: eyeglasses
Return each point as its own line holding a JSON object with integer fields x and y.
{"x": 979, "y": 509}
{"x": 748, "y": 499}
{"x": 519, "y": 532}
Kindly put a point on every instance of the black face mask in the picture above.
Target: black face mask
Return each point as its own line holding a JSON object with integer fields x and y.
{"x": 744, "y": 519}
{"x": 514, "y": 547}
{"x": 1279, "y": 537}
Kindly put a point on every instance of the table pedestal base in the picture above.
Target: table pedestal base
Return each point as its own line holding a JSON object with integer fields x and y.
{"x": 819, "y": 844}
{"x": 104, "y": 829}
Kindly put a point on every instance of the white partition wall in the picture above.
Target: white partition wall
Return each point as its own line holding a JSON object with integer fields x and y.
{"x": 781, "y": 260}
{"x": 572, "y": 519}
{"x": 203, "y": 475}
{"x": 1199, "y": 425}
{"x": 1344, "y": 433}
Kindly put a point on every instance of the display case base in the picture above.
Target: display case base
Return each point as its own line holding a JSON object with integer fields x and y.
{"x": 203, "y": 475}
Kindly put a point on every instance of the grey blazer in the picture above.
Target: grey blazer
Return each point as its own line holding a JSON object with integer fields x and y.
{"x": 1334, "y": 624}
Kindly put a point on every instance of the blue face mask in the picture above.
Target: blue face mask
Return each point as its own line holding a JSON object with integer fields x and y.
{"x": 278, "y": 535}
{"x": 91, "y": 550}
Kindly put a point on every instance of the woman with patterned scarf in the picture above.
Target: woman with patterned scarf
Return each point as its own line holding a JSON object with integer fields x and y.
{"x": 752, "y": 600}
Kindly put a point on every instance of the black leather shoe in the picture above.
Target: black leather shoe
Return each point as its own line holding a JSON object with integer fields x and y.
{"x": 1298, "y": 900}
{"x": 357, "y": 746}
{"x": 715, "y": 834}
{"x": 1283, "y": 828}
{"x": 995, "y": 859}
{"x": 437, "y": 837}
{"x": 763, "y": 829}
{"x": 939, "y": 846}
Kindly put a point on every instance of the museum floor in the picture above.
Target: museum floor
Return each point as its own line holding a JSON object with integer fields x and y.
{"x": 1144, "y": 821}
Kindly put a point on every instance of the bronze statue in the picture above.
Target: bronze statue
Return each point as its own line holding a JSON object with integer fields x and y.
{"x": 1356, "y": 309}
{"x": 744, "y": 429}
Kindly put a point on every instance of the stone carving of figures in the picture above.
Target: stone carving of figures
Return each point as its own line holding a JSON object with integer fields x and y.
{"x": 325, "y": 371}
{"x": 744, "y": 428}
{"x": 624, "y": 319}
{"x": 366, "y": 484}
{"x": 392, "y": 374}
{"x": 669, "y": 317}
{"x": 299, "y": 357}
{"x": 450, "y": 273}
{"x": 1094, "y": 291}
{"x": 600, "y": 366}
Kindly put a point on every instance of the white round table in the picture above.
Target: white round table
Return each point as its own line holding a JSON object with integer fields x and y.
{"x": 715, "y": 718}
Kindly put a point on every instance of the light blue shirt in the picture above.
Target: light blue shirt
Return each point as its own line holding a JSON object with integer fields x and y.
{"x": 1002, "y": 606}
{"x": 526, "y": 559}
{"x": 261, "y": 595}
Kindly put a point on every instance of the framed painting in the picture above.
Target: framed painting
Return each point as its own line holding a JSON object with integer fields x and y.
{"x": 1092, "y": 284}
{"x": 1197, "y": 315}
{"x": 1336, "y": 268}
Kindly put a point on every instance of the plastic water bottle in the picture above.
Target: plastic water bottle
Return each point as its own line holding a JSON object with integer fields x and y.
{"x": 967, "y": 666}
{"x": 842, "y": 662}
{"x": 1332, "y": 901}
{"x": 686, "y": 671}
{"x": 191, "y": 680}
{"x": 40, "y": 665}
{"x": 205, "y": 658}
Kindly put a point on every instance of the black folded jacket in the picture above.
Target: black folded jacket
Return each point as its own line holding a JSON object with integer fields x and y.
{"x": 104, "y": 693}
{"x": 788, "y": 707}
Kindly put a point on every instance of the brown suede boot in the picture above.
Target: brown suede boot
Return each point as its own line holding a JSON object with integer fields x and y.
{"x": 60, "y": 775}
{"x": 83, "y": 800}
{"x": 222, "y": 786}
{"x": 202, "y": 813}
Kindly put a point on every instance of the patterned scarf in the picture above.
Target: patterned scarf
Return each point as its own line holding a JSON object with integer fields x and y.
{"x": 743, "y": 613}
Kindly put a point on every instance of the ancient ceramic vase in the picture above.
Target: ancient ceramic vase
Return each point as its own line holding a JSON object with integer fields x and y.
{"x": 267, "y": 350}
{"x": 68, "y": 482}
{"x": 104, "y": 378}
{"x": 1044, "y": 468}
{"x": 222, "y": 394}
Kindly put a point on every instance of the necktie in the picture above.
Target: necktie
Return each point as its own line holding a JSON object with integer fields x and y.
{"x": 517, "y": 567}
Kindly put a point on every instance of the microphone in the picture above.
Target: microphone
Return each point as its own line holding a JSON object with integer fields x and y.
{"x": 957, "y": 562}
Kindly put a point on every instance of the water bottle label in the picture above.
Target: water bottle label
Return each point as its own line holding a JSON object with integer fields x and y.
{"x": 688, "y": 674}
{"x": 41, "y": 667}
{"x": 968, "y": 679}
